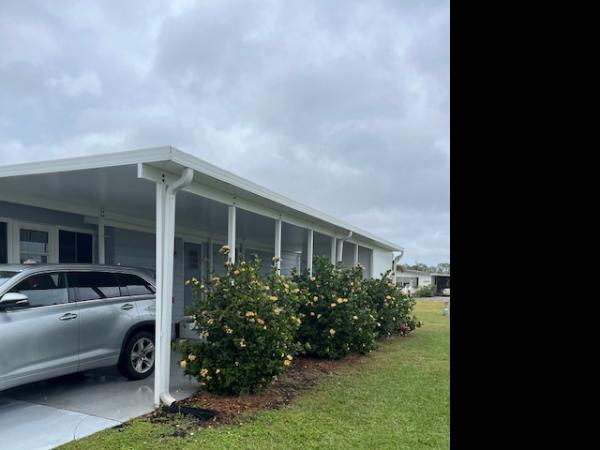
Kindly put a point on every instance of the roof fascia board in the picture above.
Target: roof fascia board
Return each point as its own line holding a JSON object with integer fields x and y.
{"x": 168, "y": 153}
{"x": 155, "y": 154}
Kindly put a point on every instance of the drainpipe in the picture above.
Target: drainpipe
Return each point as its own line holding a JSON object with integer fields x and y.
{"x": 395, "y": 263}
{"x": 341, "y": 246}
{"x": 164, "y": 308}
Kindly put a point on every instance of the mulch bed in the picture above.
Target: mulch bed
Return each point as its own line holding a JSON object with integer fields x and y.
{"x": 303, "y": 374}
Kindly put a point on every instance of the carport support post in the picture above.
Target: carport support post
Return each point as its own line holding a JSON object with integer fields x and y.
{"x": 165, "y": 248}
{"x": 355, "y": 255}
{"x": 333, "y": 247}
{"x": 309, "y": 251}
{"x": 340, "y": 250}
{"x": 278, "y": 245}
{"x": 161, "y": 191}
{"x": 231, "y": 234}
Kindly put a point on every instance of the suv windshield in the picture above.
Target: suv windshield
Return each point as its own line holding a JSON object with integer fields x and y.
{"x": 5, "y": 276}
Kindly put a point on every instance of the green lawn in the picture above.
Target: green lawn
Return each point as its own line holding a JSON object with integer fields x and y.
{"x": 399, "y": 399}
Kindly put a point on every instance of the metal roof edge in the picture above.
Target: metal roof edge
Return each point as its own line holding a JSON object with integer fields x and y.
{"x": 152, "y": 154}
{"x": 170, "y": 153}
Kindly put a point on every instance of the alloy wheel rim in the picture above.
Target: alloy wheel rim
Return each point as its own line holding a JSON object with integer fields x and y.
{"x": 142, "y": 355}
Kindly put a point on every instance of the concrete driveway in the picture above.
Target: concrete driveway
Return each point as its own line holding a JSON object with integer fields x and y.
{"x": 49, "y": 413}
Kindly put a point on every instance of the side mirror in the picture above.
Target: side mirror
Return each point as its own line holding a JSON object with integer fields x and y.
{"x": 13, "y": 300}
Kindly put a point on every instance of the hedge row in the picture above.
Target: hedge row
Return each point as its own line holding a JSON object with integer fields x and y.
{"x": 251, "y": 326}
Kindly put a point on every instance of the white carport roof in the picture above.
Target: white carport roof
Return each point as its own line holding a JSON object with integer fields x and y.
{"x": 106, "y": 177}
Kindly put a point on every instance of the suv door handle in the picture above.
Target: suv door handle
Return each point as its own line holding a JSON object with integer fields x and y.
{"x": 68, "y": 316}
{"x": 127, "y": 306}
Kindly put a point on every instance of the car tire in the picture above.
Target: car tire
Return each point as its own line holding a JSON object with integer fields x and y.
{"x": 138, "y": 356}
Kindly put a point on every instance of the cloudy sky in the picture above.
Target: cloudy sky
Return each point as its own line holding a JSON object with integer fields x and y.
{"x": 340, "y": 104}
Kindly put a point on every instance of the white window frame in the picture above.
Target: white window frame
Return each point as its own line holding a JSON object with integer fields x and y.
{"x": 52, "y": 239}
{"x": 14, "y": 228}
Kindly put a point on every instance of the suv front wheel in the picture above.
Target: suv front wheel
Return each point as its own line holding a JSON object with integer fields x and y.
{"x": 137, "y": 358}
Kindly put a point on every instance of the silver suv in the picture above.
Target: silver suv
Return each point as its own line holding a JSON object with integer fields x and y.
{"x": 65, "y": 318}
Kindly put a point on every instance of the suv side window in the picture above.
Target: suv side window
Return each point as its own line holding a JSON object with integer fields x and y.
{"x": 44, "y": 289}
{"x": 94, "y": 285}
{"x": 134, "y": 285}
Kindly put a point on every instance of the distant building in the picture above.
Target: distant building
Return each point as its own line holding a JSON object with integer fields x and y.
{"x": 416, "y": 279}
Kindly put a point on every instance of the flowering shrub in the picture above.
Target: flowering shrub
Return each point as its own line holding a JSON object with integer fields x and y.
{"x": 338, "y": 318}
{"x": 247, "y": 326}
{"x": 394, "y": 309}
{"x": 425, "y": 291}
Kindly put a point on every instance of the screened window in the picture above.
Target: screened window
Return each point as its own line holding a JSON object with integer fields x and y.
{"x": 3, "y": 243}
{"x": 134, "y": 285}
{"x": 75, "y": 247}
{"x": 34, "y": 245}
{"x": 94, "y": 285}
{"x": 44, "y": 289}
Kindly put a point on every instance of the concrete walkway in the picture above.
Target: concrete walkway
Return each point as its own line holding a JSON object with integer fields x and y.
{"x": 49, "y": 413}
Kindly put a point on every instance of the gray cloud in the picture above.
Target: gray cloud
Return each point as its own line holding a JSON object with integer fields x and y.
{"x": 343, "y": 105}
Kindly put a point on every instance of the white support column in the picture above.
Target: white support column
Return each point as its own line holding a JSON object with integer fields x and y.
{"x": 167, "y": 296}
{"x": 165, "y": 250}
{"x": 333, "y": 249}
{"x": 231, "y": 233}
{"x": 309, "y": 251}
{"x": 355, "y": 262}
{"x": 101, "y": 239}
{"x": 278, "y": 244}
{"x": 161, "y": 191}
{"x": 340, "y": 250}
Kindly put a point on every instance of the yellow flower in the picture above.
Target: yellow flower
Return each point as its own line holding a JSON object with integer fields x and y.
{"x": 191, "y": 357}
{"x": 312, "y": 278}
{"x": 228, "y": 330}
{"x": 278, "y": 311}
{"x": 203, "y": 372}
{"x": 215, "y": 280}
{"x": 242, "y": 344}
{"x": 318, "y": 316}
{"x": 312, "y": 313}
{"x": 183, "y": 364}
{"x": 333, "y": 305}
{"x": 211, "y": 321}
{"x": 273, "y": 298}
{"x": 290, "y": 357}
{"x": 217, "y": 371}
{"x": 287, "y": 363}
{"x": 250, "y": 314}
{"x": 236, "y": 272}
{"x": 295, "y": 291}
{"x": 315, "y": 298}
{"x": 354, "y": 318}
{"x": 260, "y": 321}
{"x": 340, "y": 300}
{"x": 225, "y": 249}
{"x": 332, "y": 331}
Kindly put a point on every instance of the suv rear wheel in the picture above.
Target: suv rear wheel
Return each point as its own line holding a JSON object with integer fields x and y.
{"x": 137, "y": 358}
